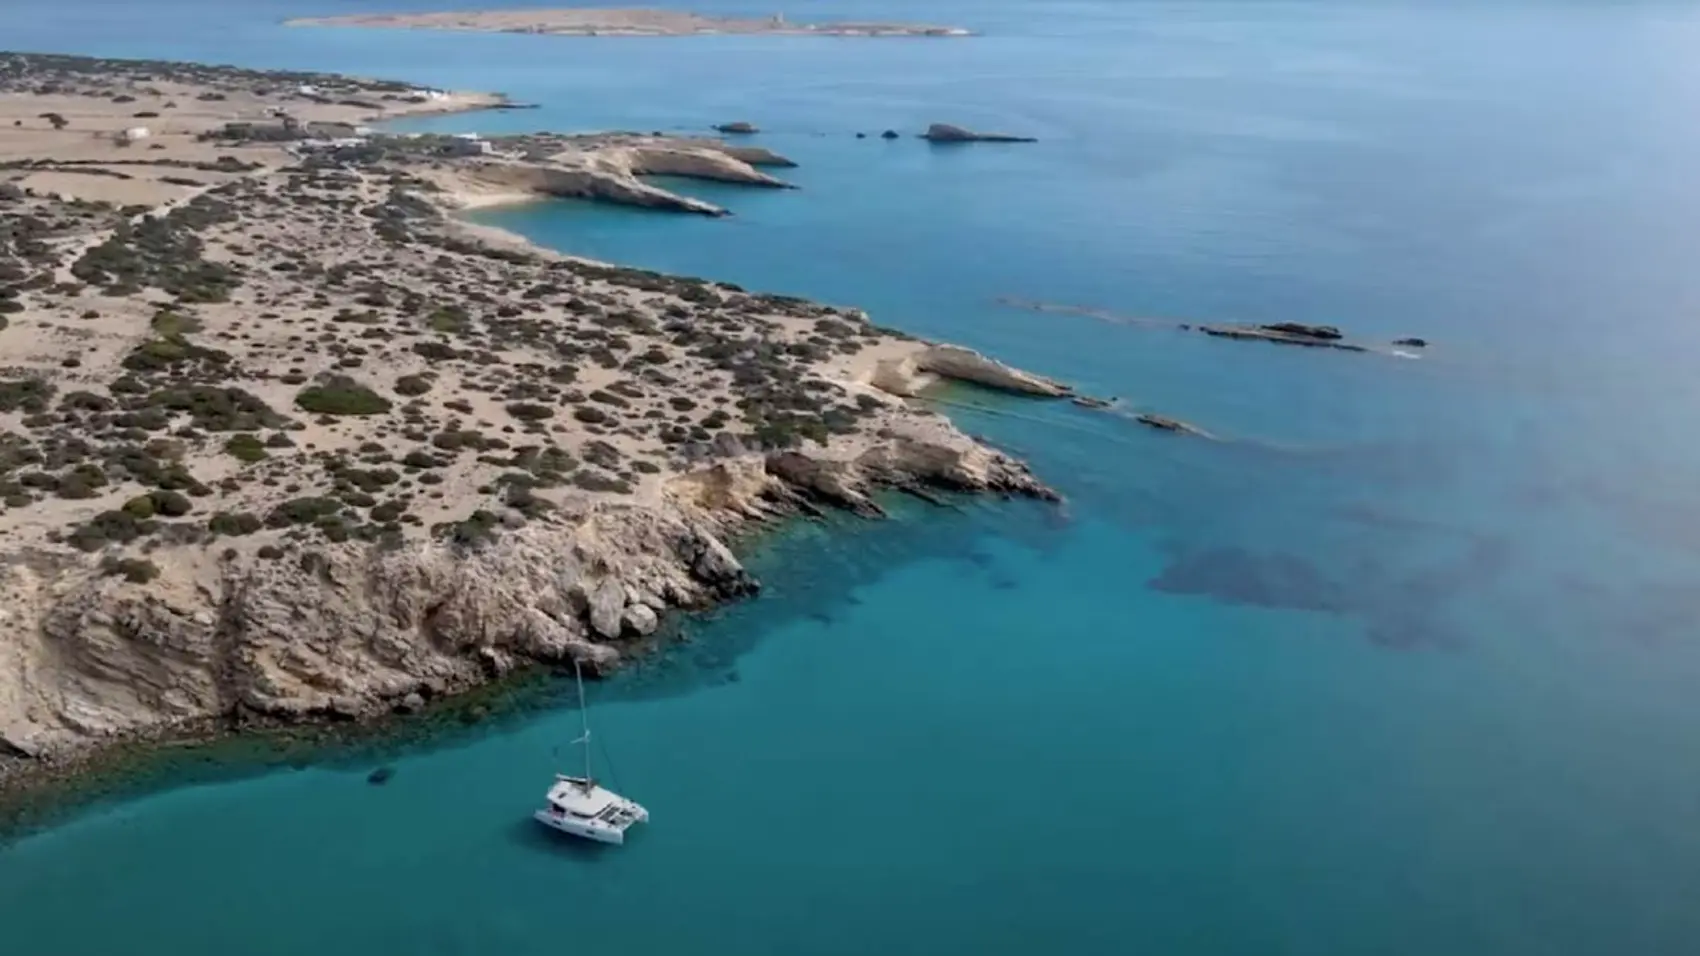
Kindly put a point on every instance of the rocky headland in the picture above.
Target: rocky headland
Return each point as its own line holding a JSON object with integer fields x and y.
{"x": 282, "y": 440}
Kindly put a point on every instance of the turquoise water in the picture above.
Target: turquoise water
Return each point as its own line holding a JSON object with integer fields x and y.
{"x": 1405, "y": 664}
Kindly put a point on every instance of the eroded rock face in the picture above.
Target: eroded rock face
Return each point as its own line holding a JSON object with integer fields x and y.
{"x": 354, "y": 630}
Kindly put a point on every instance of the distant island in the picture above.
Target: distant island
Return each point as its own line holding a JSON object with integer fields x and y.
{"x": 584, "y": 21}
{"x": 283, "y": 440}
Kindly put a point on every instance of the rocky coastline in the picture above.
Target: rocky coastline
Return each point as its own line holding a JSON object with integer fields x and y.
{"x": 625, "y": 22}
{"x": 286, "y": 443}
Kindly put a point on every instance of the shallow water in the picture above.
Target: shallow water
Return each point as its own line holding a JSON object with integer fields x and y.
{"x": 1403, "y": 664}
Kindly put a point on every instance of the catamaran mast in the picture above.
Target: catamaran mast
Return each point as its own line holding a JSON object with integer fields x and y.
{"x": 584, "y": 718}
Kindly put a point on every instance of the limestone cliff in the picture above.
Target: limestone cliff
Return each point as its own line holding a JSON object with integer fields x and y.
{"x": 355, "y": 630}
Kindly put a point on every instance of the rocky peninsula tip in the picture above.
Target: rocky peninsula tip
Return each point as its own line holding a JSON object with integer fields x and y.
{"x": 282, "y": 439}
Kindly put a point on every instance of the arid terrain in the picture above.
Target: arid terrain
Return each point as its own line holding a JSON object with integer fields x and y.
{"x": 282, "y": 439}
{"x": 587, "y": 21}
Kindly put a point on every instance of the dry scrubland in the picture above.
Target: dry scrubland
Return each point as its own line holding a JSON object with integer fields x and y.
{"x": 279, "y": 439}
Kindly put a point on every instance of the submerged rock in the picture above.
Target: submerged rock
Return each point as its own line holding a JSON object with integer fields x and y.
{"x": 1413, "y": 342}
{"x": 739, "y": 128}
{"x": 1327, "y": 333}
{"x": 889, "y": 134}
{"x": 1285, "y": 333}
{"x": 1167, "y": 424}
{"x": 380, "y": 776}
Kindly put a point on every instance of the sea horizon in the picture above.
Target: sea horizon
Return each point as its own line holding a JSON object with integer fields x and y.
{"x": 1400, "y": 659}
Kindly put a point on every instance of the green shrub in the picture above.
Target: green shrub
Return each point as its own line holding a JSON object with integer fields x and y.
{"x": 530, "y": 412}
{"x": 134, "y": 570}
{"x": 80, "y": 482}
{"x": 85, "y": 402}
{"x": 174, "y": 325}
{"x": 140, "y": 507}
{"x": 367, "y": 479}
{"x": 591, "y": 480}
{"x": 302, "y": 511}
{"x": 341, "y": 395}
{"x": 28, "y": 395}
{"x": 217, "y": 409}
{"x": 448, "y": 318}
{"x": 412, "y": 385}
{"x": 235, "y": 524}
{"x": 171, "y": 504}
{"x": 109, "y": 527}
{"x": 246, "y": 446}
{"x": 477, "y": 529}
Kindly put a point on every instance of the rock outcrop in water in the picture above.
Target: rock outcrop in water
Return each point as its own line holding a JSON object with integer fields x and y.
{"x": 911, "y": 373}
{"x": 1286, "y": 333}
{"x": 608, "y": 169}
{"x": 946, "y": 133}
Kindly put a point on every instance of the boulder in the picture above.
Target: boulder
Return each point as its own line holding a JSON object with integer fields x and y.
{"x": 739, "y": 128}
{"x": 607, "y": 601}
{"x": 946, "y": 133}
{"x": 641, "y": 619}
{"x": 889, "y": 134}
{"x": 10, "y": 747}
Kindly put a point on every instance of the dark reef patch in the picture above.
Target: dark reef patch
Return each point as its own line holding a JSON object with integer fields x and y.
{"x": 1237, "y": 576}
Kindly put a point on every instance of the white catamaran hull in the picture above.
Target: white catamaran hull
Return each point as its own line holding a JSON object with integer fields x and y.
{"x": 588, "y": 829}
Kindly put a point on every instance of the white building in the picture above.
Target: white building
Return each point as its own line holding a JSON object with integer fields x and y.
{"x": 134, "y": 133}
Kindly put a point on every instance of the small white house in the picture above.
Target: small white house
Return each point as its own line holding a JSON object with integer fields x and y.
{"x": 307, "y": 89}
{"x": 134, "y": 134}
{"x": 469, "y": 144}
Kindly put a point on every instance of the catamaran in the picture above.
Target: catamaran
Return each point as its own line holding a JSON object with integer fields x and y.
{"x": 581, "y": 806}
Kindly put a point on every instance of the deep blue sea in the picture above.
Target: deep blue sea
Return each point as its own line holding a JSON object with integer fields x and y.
{"x": 1406, "y": 663}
